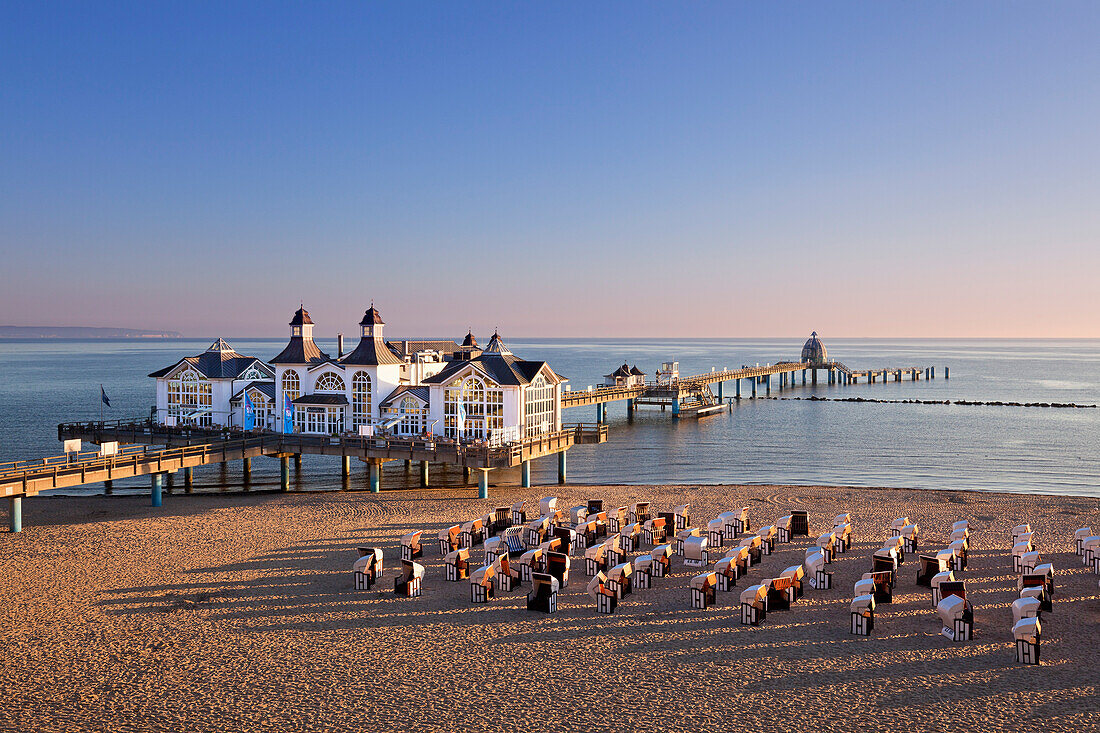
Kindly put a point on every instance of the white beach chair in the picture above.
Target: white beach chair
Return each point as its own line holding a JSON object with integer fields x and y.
{"x": 595, "y": 559}
{"x": 367, "y": 569}
{"x": 814, "y": 563}
{"x": 940, "y": 577}
{"x": 471, "y": 533}
{"x": 1020, "y": 530}
{"x": 619, "y": 579}
{"x": 682, "y": 514}
{"x": 482, "y": 583}
{"x": 410, "y": 546}
{"x": 909, "y": 535}
{"x": 507, "y": 573}
{"x": 654, "y": 530}
{"x": 796, "y": 573}
{"x": 606, "y": 599}
{"x": 1025, "y": 608}
{"x": 959, "y": 549}
{"x": 639, "y": 512}
{"x": 843, "y": 534}
{"x": 726, "y": 571}
{"x": 544, "y": 593}
{"x": 616, "y": 518}
{"x": 754, "y": 604}
{"x": 519, "y": 513}
{"x": 1018, "y": 551}
{"x": 826, "y": 542}
{"x": 955, "y": 612}
{"x": 530, "y": 562}
{"x": 754, "y": 545}
{"x": 682, "y": 536}
{"x": 578, "y": 514}
{"x": 630, "y": 537}
{"x": 662, "y": 560}
{"x": 1090, "y": 552}
{"x": 863, "y": 614}
{"x": 548, "y": 505}
{"x": 696, "y": 554}
{"x": 735, "y": 522}
{"x": 643, "y": 576}
{"x": 1026, "y": 632}
{"x": 408, "y": 584}
{"x": 494, "y": 547}
{"x": 1028, "y": 561}
{"x": 456, "y": 564}
{"x": 448, "y": 539}
{"x": 783, "y": 529}
{"x": 702, "y": 589}
{"x": 897, "y": 524}
{"x": 534, "y": 532}
{"x": 1079, "y": 537}
{"x": 715, "y": 532}
{"x": 767, "y": 537}
{"x": 844, "y": 518}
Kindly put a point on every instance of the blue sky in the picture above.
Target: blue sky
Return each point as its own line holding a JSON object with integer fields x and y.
{"x": 556, "y": 169}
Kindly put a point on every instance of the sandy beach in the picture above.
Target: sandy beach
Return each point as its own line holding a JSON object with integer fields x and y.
{"x": 236, "y": 613}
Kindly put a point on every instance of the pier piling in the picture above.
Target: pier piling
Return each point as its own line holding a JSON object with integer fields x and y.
{"x": 525, "y": 474}
{"x": 157, "y": 487}
{"x": 108, "y": 487}
{"x": 188, "y": 480}
{"x": 246, "y": 469}
{"x": 947, "y": 373}
{"x": 375, "y": 475}
{"x": 297, "y": 462}
{"x": 423, "y": 474}
{"x": 483, "y": 483}
{"x": 284, "y": 473}
{"x": 345, "y": 466}
{"x": 561, "y": 467}
{"x": 15, "y": 513}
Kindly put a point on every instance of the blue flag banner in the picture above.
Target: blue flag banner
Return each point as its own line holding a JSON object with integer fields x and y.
{"x": 249, "y": 412}
{"x": 288, "y": 414}
{"x": 103, "y": 396}
{"x": 461, "y": 419}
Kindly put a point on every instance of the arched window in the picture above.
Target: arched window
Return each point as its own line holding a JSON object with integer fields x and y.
{"x": 329, "y": 382}
{"x": 412, "y": 417}
{"x": 471, "y": 408}
{"x": 360, "y": 399}
{"x": 292, "y": 385}
{"x": 189, "y": 393}
{"x": 539, "y": 413}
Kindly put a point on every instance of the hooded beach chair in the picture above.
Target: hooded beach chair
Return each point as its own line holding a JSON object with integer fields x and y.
{"x": 742, "y": 559}
{"x": 530, "y": 562}
{"x": 507, "y": 573}
{"x": 1039, "y": 584}
{"x": 884, "y": 585}
{"x": 639, "y": 512}
{"x": 595, "y": 559}
{"x": 471, "y": 533}
{"x": 843, "y": 518}
{"x": 702, "y": 588}
{"x": 682, "y": 516}
{"x": 783, "y": 528}
{"x": 1019, "y": 530}
{"x": 898, "y": 543}
{"x": 618, "y": 579}
{"x": 1079, "y": 537}
{"x": 662, "y": 560}
{"x": 482, "y": 582}
{"x": 367, "y": 569}
{"x": 959, "y": 548}
{"x": 927, "y": 567}
{"x": 654, "y": 531}
{"x": 1018, "y": 551}
{"x": 519, "y": 513}
{"x": 585, "y": 534}
{"x": 606, "y": 600}
{"x": 961, "y": 534}
{"x": 616, "y": 518}
{"x": 1026, "y": 608}
{"x": 826, "y": 542}
{"x": 643, "y": 572}
{"x": 544, "y": 593}
{"x": 595, "y": 506}
{"x": 814, "y": 563}
{"x": 448, "y": 539}
{"x": 630, "y": 537}
{"x": 734, "y": 523}
{"x": 1090, "y": 552}
{"x": 800, "y": 523}
{"x": 578, "y": 514}
{"x": 884, "y": 558}
{"x": 548, "y": 505}
{"x": 780, "y": 593}
{"x": 1026, "y": 632}
{"x": 410, "y": 546}
{"x": 909, "y": 535}
{"x": 494, "y": 547}
{"x": 796, "y": 573}
{"x": 754, "y": 604}
{"x": 513, "y": 540}
{"x": 568, "y": 538}
{"x": 534, "y": 532}
{"x": 863, "y": 614}
{"x": 456, "y": 564}
{"x": 408, "y": 584}
{"x": 682, "y": 536}
{"x": 600, "y": 518}
{"x": 695, "y": 552}
{"x": 955, "y": 612}
{"x": 557, "y": 565}
{"x": 726, "y": 571}
{"x": 715, "y": 532}
{"x": 754, "y": 544}
{"x": 843, "y": 534}
{"x": 944, "y": 576}
{"x": 767, "y": 537}
{"x": 1028, "y": 561}
{"x": 897, "y": 524}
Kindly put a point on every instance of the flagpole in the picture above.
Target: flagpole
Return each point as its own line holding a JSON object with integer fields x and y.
{"x": 101, "y": 393}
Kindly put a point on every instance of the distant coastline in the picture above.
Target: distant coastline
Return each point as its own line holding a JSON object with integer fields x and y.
{"x": 82, "y": 332}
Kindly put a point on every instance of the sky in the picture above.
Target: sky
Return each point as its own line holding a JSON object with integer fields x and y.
{"x": 562, "y": 169}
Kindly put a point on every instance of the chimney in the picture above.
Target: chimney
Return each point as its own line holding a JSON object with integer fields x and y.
{"x": 339, "y": 346}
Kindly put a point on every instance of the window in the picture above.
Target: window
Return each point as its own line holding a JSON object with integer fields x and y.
{"x": 329, "y": 382}
{"x": 191, "y": 398}
{"x": 412, "y": 417}
{"x": 262, "y": 405}
{"x": 292, "y": 385}
{"x": 539, "y": 412}
{"x": 360, "y": 400}
{"x": 471, "y": 409}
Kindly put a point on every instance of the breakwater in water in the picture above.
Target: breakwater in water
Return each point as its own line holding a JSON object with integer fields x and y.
{"x": 972, "y": 403}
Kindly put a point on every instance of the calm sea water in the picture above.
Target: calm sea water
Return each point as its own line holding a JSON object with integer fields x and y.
{"x": 1033, "y": 450}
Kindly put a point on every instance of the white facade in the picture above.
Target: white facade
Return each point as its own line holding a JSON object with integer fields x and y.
{"x": 198, "y": 390}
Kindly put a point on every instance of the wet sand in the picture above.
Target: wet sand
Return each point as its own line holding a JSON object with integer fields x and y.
{"x": 237, "y": 613}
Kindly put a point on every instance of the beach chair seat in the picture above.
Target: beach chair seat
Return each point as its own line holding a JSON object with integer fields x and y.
{"x": 767, "y": 537}
{"x": 662, "y": 560}
{"x": 643, "y": 575}
{"x": 616, "y": 519}
{"x": 507, "y": 573}
{"x": 595, "y": 559}
{"x": 682, "y": 517}
{"x": 500, "y": 520}
{"x": 755, "y": 547}
{"x": 940, "y": 577}
{"x": 682, "y": 536}
{"x": 513, "y": 540}
{"x": 1079, "y": 537}
{"x": 482, "y": 584}
{"x": 1026, "y": 608}
{"x": 897, "y": 525}
{"x": 843, "y": 534}
{"x": 702, "y": 589}
{"x": 619, "y": 579}
{"x": 530, "y": 562}
{"x": 696, "y": 554}
{"x": 884, "y": 558}
{"x": 456, "y": 564}
{"x": 578, "y": 514}
{"x": 600, "y": 518}
{"x": 471, "y": 533}
{"x": 595, "y": 506}
{"x": 800, "y": 523}
{"x": 410, "y": 546}
{"x": 494, "y": 547}
{"x": 1028, "y": 561}
{"x": 955, "y": 612}
{"x": 557, "y": 565}
{"x": 1039, "y": 585}
{"x": 780, "y": 593}
{"x": 408, "y": 583}
{"x": 796, "y": 573}
{"x": 566, "y": 537}
{"x": 1019, "y": 531}
{"x": 909, "y": 535}
{"x": 654, "y": 531}
{"x": 1018, "y": 551}
{"x": 367, "y": 569}
{"x": 884, "y": 585}
{"x": 585, "y": 534}
{"x": 754, "y": 604}
{"x": 863, "y": 614}
{"x": 639, "y": 512}
{"x": 519, "y": 514}
{"x": 548, "y": 505}
{"x": 783, "y": 529}
{"x": 826, "y": 542}
{"x": 928, "y": 566}
{"x": 726, "y": 571}
{"x": 448, "y": 539}
{"x": 715, "y": 532}
{"x": 735, "y": 522}
{"x": 534, "y": 532}
{"x": 606, "y": 599}
{"x": 819, "y": 578}
{"x": 1090, "y": 551}
{"x": 1026, "y": 632}
{"x": 544, "y": 593}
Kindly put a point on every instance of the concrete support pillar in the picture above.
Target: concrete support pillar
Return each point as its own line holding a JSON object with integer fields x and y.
{"x": 108, "y": 487}
{"x": 15, "y": 514}
{"x": 803, "y": 377}
{"x": 170, "y": 481}
{"x": 754, "y": 380}
{"x": 157, "y": 487}
{"x": 768, "y": 384}
{"x": 284, "y": 473}
{"x": 947, "y": 372}
{"x": 933, "y": 372}
{"x": 600, "y": 412}
{"x": 720, "y": 386}
{"x": 483, "y": 483}
{"x": 630, "y": 409}
{"x": 297, "y": 462}
{"x": 561, "y": 467}
{"x": 813, "y": 377}
{"x": 188, "y": 480}
{"x": 525, "y": 474}
{"x": 375, "y": 466}
{"x": 737, "y": 389}
{"x": 408, "y": 465}
{"x": 247, "y": 470}
{"x": 423, "y": 474}
{"x": 345, "y": 466}
{"x": 676, "y": 405}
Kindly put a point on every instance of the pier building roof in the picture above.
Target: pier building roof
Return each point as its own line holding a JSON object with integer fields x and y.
{"x": 469, "y": 342}
{"x": 814, "y": 351}
{"x": 418, "y": 391}
{"x": 220, "y": 361}
{"x": 372, "y": 350}
{"x": 403, "y": 349}
{"x": 301, "y": 349}
{"x": 267, "y": 388}
{"x": 496, "y": 345}
{"x": 321, "y": 399}
{"x": 504, "y": 368}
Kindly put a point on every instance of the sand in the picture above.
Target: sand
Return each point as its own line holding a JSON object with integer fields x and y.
{"x": 237, "y": 613}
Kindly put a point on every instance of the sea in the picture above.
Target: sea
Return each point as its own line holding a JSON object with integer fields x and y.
{"x": 787, "y": 439}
